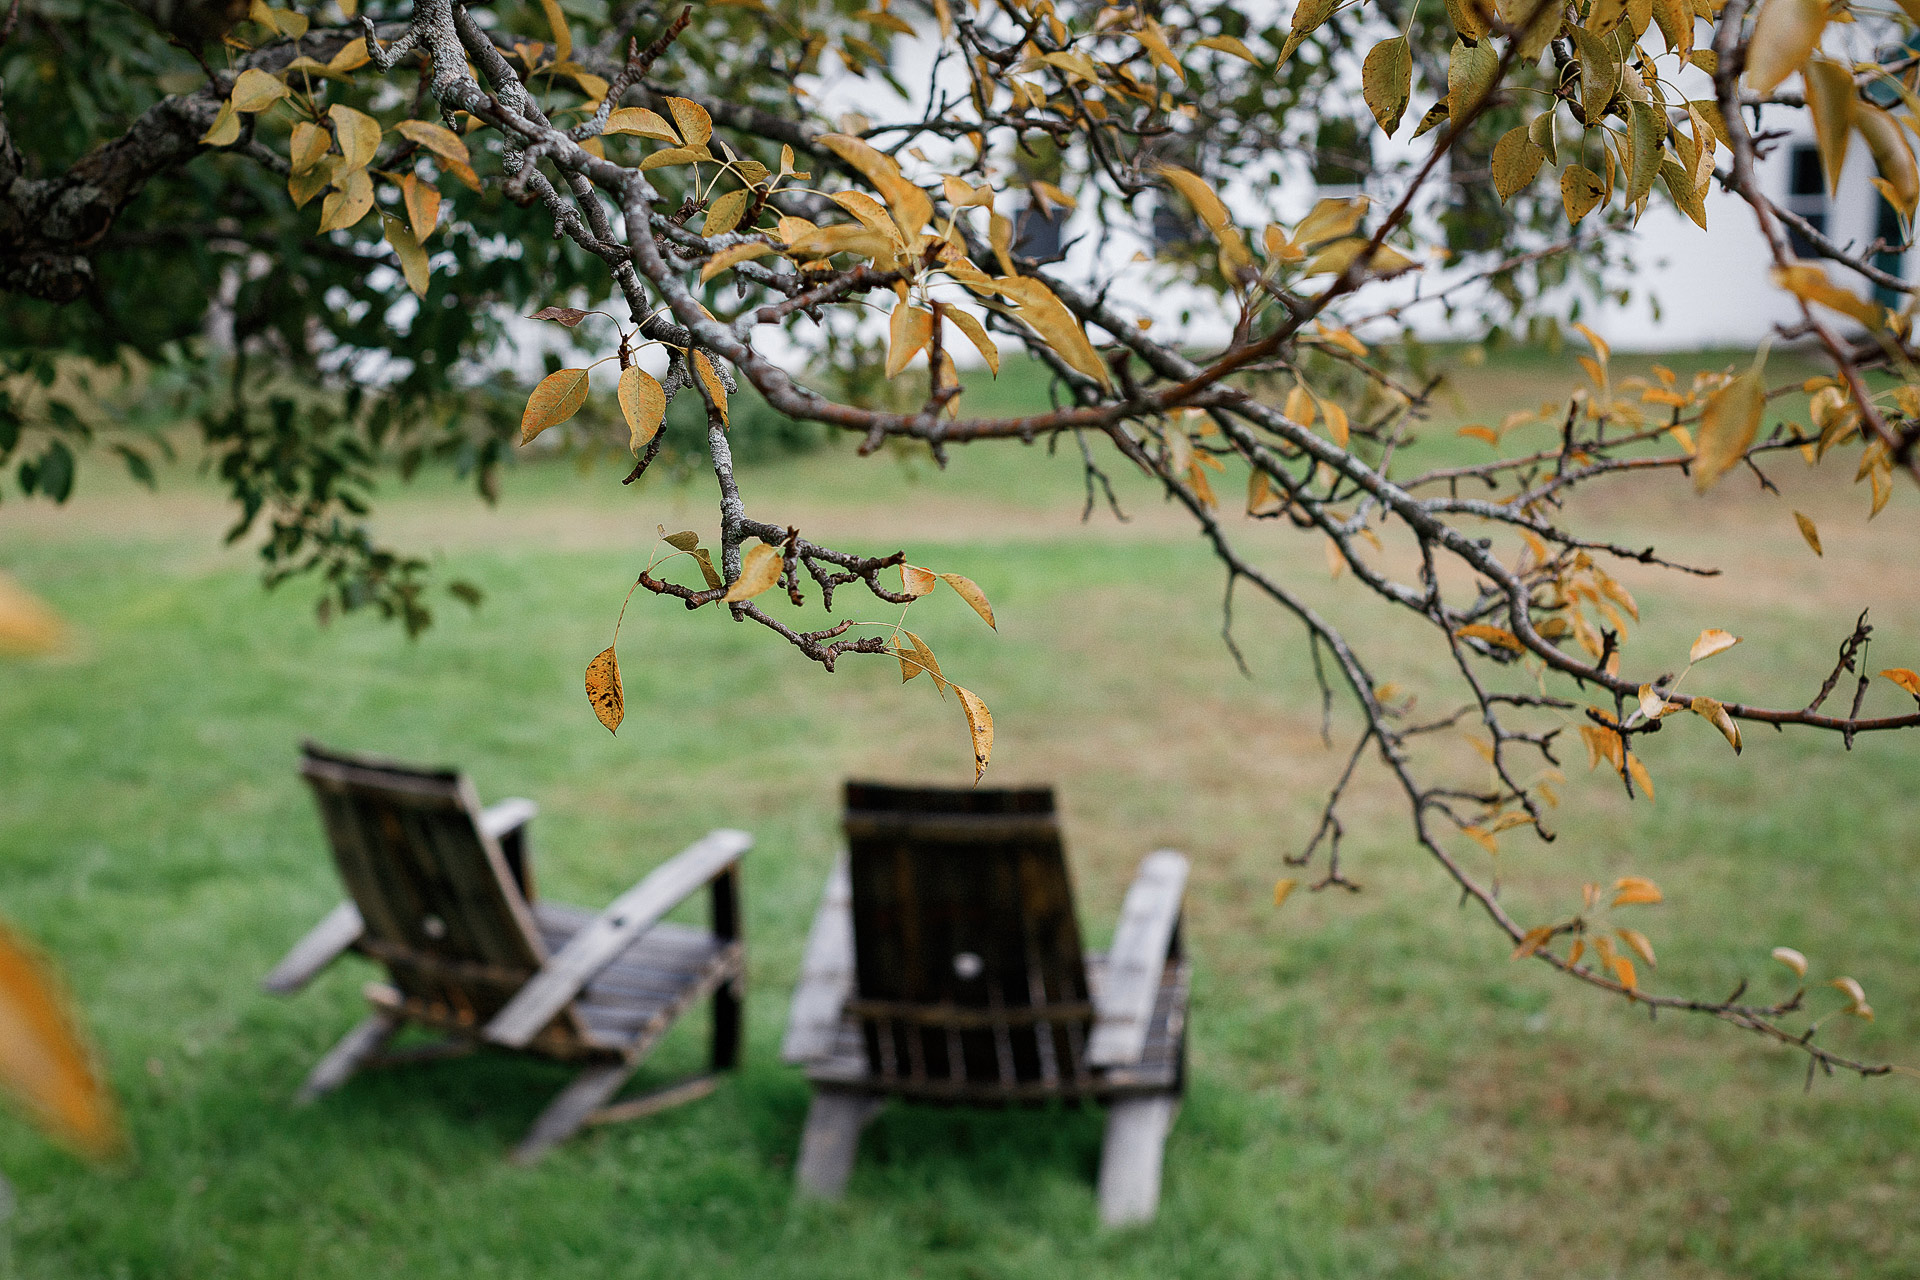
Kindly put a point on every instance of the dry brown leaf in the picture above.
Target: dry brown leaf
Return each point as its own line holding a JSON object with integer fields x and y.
{"x": 603, "y": 690}
{"x": 1641, "y": 778}
{"x": 1492, "y": 635}
{"x": 916, "y": 581}
{"x": 1905, "y": 678}
{"x": 1716, "y": 715}
{"x": 1640, "y": 944}
{"x": 1792, "y": 959}
{"x": 973, "y": 595}
{"x": 1711, "y": 641}
{"x": 980, "y": 725}
{"x": 1634, "y": 890}
{"x": 1534, "y": 939}
{"x": 909, "y": 330}
{"x": 710, "y": 379}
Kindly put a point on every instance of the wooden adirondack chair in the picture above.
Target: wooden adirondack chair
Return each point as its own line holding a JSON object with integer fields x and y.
{"x": 441, "y": 893}
{"x": 945, "y": 965}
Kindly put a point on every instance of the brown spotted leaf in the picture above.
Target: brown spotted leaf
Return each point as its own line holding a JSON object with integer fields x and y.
{"x": 643, "y": 402}
{"x": 557, "y": 398}
{"x": 980, "y": 725}
{"x": 603, "y": 690}
{"x": 568, "y": 316}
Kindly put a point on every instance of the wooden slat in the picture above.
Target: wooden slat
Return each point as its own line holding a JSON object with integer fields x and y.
{"x": 498, "y": 819}
{"x": 688, "y": 1090}
{"x": 1138, "y": 960}
{"x": 962, "y": 1017}
{"x": 1130, "y": 1159}
{"x": 826, "y": 974}
{"x": 611, "y": 933}
{"x": 338, "y": 930}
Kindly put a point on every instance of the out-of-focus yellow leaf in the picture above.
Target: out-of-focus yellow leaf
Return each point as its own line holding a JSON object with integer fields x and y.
{"x": 1232, "y": 45}
{"x": 1470, "y": 74}
{"x": 759, "y": 569}
{"x": 969, "y": 324}
{"x": 1492, "y": 635}
{"x": 643, "y": 402}
{"x": 1728, "y": 425}
{"x": 26, "y": 624}
{"x": 1534, "y": 939}
{"x": 423, "y": 205}
{"x": 225, "y": 130}
{"x": 1641, "y": 778}
{"x": 967, "y": 590}
{"x": 1641, "y": 946}
{"x": 1830, "y": 99}
{"x": 909, "y": 330}
{"x": 1049, "y": 317}
{"x": 256, "y": 90}
{"x": 1906, "y": 679}
{"x": 1634, "y": 890}
{"x": 1899, "y": 178}
{"x": 732, "y": 256}
{"x": 980, "y": 725}
{"x": 1262, "y": 498}
{"x": 1807, "y": 281}
{"x": 1784, "y": 37}
{"x": 1792, "y": 959}
{"x": 557, "y": 398}
{"x": 1282, "y": 888}
{"x": 43, "y": 1060}
{"x": 1810, "y": 532}
{"x": 603, "y": 690}
{"x": 308, "y": 143}
{"x": 1856, "y": 998}
{"x": 1711, "y": 641}
{"x": 1623, "y": 971}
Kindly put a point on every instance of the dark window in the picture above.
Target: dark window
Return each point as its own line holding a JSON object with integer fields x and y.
{"x": 1806, "y": 196}
{"x": 1037, "y": 236}
{"x": 1173, "y": 225}
{"x": 1886, "y": 226}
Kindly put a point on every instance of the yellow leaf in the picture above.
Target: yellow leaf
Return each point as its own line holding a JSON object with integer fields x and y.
{"x": 1711, "y": 641}
{"x": 696, "y": 126}
{"x": 1804, "y": 280}
{"x": 1386, "y": 81}
{"x": 1641, "y": 778}
{"x": 255, "y": 90}
{"x": 1892, "y": 155}
{"x": 1483, "y": 837}
{"x": 423, "y": 205}
{"x": 1792, "y": 959}
{"x": 1580, "y": 190}
{"x": 1056, "y": 325}
{"x": 1516, "y": 162}
{"x": 976, "y": 333}
{"x": 26, "y": 624}
{"x": 1716, "y": 715}
{"x": 1330, "y": 219}
{"x": 1492, "y": 635}
{"x": 980, "y": 725}
{"x": 1652, "y": 705}
{"x": 1830, "y": 99}
{"x": 603, "y": 690}
{"x": 909, "y": 330}
{"x": 973, "y": 595}
{"x": 557, "y": 398}
{"x": 1154, "y": 41}
{"x": 710, "y": 379}
{"x": 640, "y": 121}
{"x": 1623, "y": 971}
{"x": 562, "y": 36}
{"x": 1784, "y": 37}
{"x": 759, "y": 570}
{"x": 439, "y": 139}
{"x": 725, "y": 213}
{"x": 1336, "y": 418}
{"x": 1641, "y": 946}
{"x": 685, "y": 540}
{"x": 1856, "y": 998}
{"x": 1281, "y": 888}
{"x": 1634, "y": 890}
{"x": 1232, "y": 45}
{"x": 1470, "y": 74}
{"x": 353, "y": 54}
{"x": 43, "y": 1061}
{"x": 1262, "y": 498}
{"x": 916, "y": 581}
{"x": 1534, "y": 939}
{"x": 1308, "y": 15}
{"x": 733, "y": 256}
{"x": 672, "y": 156}
{"x": 225, "y": 130}
{"x": 912, "y": 207}
{"x": 1809, "y": 532}
{"x": 1384, "y": 261}
{"x": 413, "y": 258}
{"x": 1728, "y": 425}
{"x": 350, "y": 201}
{"x": 308, "y": 143}
{"x": 1906, "y": 679}
{"x": 359, "y": 135}
{"x": 643, "y": 402}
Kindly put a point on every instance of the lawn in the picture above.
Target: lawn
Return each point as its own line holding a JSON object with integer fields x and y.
{"x": 1375, "y": 1089}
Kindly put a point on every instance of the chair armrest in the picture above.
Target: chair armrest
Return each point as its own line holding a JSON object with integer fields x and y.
{"x": 509, "y": 815}
{"x": 601, "y": 941}
{"x": 1142, "y": 942}
{"x": 338, "y": 930}
{"x": 826, "y": 974}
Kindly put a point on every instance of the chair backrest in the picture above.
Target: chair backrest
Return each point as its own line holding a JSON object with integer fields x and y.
{"x": 440, "y": 906}
{"x": 969, "y": 974}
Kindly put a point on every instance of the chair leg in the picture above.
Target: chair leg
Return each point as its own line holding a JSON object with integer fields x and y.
{"x": 1131, "y": 1156}
{"x": 346, "y": 1057}
{"x": 726, "y": 1024}
{"x": 571, "y": 1108}
{"x": 832, "y": 1141}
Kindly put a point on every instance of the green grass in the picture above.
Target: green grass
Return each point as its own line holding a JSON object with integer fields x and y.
{"x": 1375, "y": 1090}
